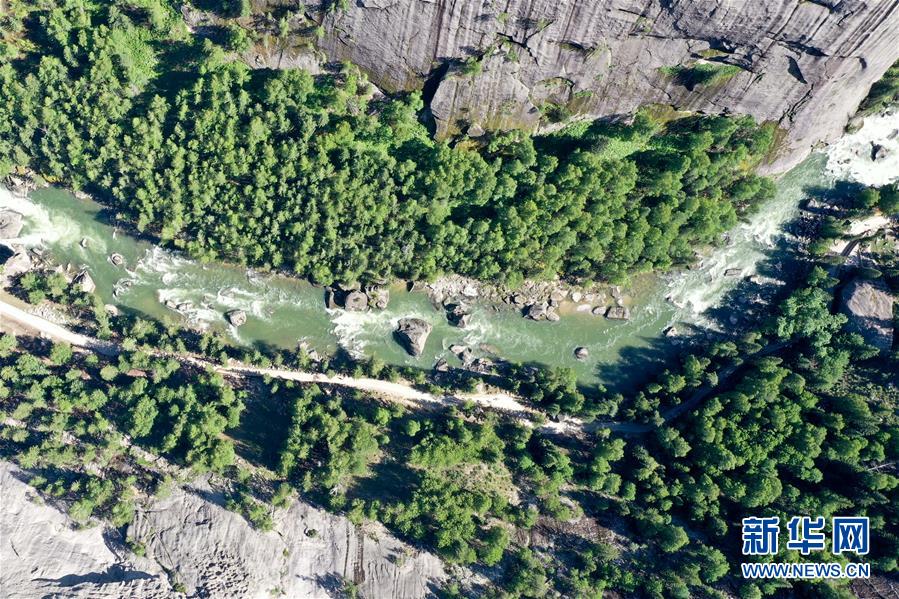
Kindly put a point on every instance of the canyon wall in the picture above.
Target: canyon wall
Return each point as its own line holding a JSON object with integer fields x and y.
{"x": 497, "y": 64}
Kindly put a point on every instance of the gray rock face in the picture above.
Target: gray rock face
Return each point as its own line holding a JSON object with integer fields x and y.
{"x": 803, "y": 65}
{"x": 330, "y": 299}
{"x": 310, "y": 553}
{"x": 10, "y": 224}
{"x": 84, "y": 282}
{"x": 236, "y": 317}
{"x": 211, "y": 551}
{"x": 618, "y": 313}
{"x": 537, "y": 311}
{"x": 355, "y": 301}
{"x": 379, "y": 297}
{"x": 412, "y": 334}
{"x": 458, "y": 315}
{"x": 869, "y": 306}
{"x": 44, "y": 555}
{"x": 20, "y": 262}
{"x": 21, "y": 184}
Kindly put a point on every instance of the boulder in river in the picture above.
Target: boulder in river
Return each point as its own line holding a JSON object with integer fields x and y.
{"x": 537, "y": 311}
{"x": 581, "y": 353}
{"x": 458, "y": 315}
{"x": 355, "y": 301}
{"x": 236, "y": 317}
{"x": 330, "y": 300}
{"x": 733, "y": 272}
{"x": 412, "y": 334}
{"x": 457, "y": 348}
{"x": 117, "y": 260}
{"x": 84, "y": 282}
{"x": 599, "y": 311}
{"x": 442, "y": 365}
{"x": 618, "y": 313}
{"x": 10, "y": 224}
{"x": 379, "y": 297}
{"x": 878, "y": 152}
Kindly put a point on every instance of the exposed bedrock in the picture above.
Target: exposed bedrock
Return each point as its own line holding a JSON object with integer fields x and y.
{"x": 804, "y": 65}
{"x": 191, "y": 541}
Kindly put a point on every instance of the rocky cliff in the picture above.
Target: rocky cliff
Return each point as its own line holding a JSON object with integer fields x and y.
{"x": 195, "y": 545}
{"x": 805, "y": 65}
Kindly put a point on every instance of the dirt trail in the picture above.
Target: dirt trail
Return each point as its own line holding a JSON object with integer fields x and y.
{"x": 401, "y": 392}
{"x": 398, "y": 391}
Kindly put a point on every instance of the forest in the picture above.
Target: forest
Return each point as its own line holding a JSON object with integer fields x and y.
{"x": 313, "y": 174}
{"x": 280, "y": 169}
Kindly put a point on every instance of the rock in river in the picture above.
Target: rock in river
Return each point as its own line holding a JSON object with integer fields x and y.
{"x": 537, "y": 311}
{"x": 458, "y": 315}
{"x": 117, "y": 260}
{"x": 618, "y": 313}
{"x": 236, "y": 317}
{"x": 581, "y": 353}
{"x": 10, "y": 224}
{"x": 412, "y": 334}
{"x": 330, "y": 299}
{"x": 355, "y": 301}
{"x": 380, "y": 297}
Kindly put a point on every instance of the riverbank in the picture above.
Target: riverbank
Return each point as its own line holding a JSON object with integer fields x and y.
{"x": 283, "y": 312}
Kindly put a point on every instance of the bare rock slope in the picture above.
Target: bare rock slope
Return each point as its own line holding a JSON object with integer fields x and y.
{"x": 869, "y": 306}
{"x": 192, "y": 541}
{"x": 803, "y": 65}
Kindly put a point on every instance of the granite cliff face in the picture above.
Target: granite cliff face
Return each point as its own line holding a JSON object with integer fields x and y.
{"x": 805, "y": 65}
{"x": 195, "y": 545}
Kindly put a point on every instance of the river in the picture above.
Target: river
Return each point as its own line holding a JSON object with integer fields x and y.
{"x": 283, "y": 311}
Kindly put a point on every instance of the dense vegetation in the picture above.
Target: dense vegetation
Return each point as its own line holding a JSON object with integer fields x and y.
{"x": 883, "y": 93}
{"x": 281, "y": 169}
{"x": 795, "y": 417}
{"x": 67, "y": 416}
